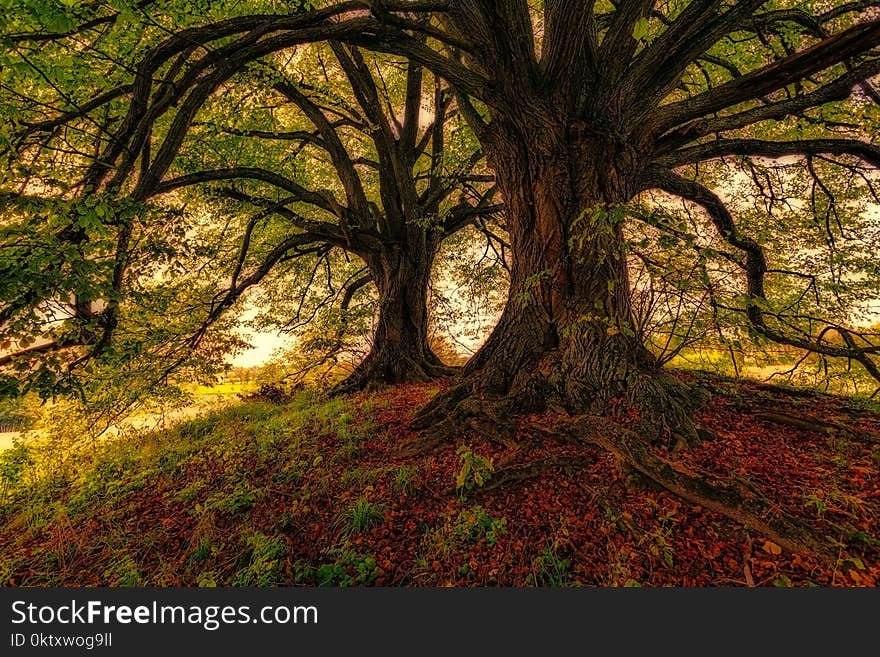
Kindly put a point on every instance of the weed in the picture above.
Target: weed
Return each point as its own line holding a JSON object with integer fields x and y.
{"x": 7, "y": 569}
{"x": 453, "y": 540}
{"x": 819, "y": 504}
{"x": 782, "y": 582}
{"x": 288, "y": 521}
{"x": 13, "y": 464}
{"x": 660, "y": 546}
{"x": 303, "y": 572}
{"x": 265, "y": 562}
{"x": 361, "y": 517}
{"x": 123, "y": 571}
{"x": 191, "y": 491}
{"x": 474, "y": 472}
{"x": 348, "y": 568}
{"x": 549, "y": 569}
{"x": 403, "y": 479}
{"x": 207, "y": 579}
{"x": 475, "y": 524}
{"x": 619, "y": 570}
{"x": 291, "y": 473}
{"x": 240, "y": 499}
{"x": 360, "y": 477}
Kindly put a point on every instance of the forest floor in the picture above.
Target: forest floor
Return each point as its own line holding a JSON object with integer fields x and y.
{"x": 315, "y": 492}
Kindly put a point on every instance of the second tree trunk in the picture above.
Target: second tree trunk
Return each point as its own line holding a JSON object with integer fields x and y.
{"x": 399, "y": 350}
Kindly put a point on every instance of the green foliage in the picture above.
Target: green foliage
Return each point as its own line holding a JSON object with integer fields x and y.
{"x": 362, "y": 516}
{"x": 474, "y": 470}
{"x": 14, "y": 414}
{"x": 240, "y": 498}
{"x": 660, "y": 547}
{"x": 63, "y": 241}
{"x": 475, "y": 524}
{"x": 123, "y": 571}
{"x": 264, "y": 561}
{"x": 404, "y": 478}
{"x": 817, "y": 502}
{"x": 549, "y": 569}
{"x": 347, "y": 568}
{"x": 456, "y": 535}
{"x": 14, "y": 464}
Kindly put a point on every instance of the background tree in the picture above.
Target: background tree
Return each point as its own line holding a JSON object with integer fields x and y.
{"x": 406, "y": 189}
{"x": 381, "y": 146}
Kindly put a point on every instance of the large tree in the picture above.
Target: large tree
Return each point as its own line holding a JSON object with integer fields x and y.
{"x": 591, "y": 109}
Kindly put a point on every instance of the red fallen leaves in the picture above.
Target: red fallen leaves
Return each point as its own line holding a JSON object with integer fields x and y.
{"x": 579, "y": 526}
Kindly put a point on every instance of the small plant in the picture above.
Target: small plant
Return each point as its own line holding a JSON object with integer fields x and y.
{"x": 351, "y": 432}
{"x": 13, "y": 464}
{"x": 817, "y": 503}
{"x": 265, "y": 563}
{"x": 475, "y": 524}
{"x": 123, "y": 571}
{"x": 452, "y": 540}
{"x": 191, "y": 491}
{"x": 204, "y": 550}
{"x": 361, "y": 517}
{"x": 348, "y": 568}
{"x": 475, "y": 470}
{"x": 660, "y": 547}
{"x": 403, "y": 479}
{"x": 207, "y": 579}
{"x": 360, "y": 476}
{"x": 619, "y": 571}
{"x": 549, "y": 569}
{"x": 782, "y": 582}
{"x": 240, "y": 499}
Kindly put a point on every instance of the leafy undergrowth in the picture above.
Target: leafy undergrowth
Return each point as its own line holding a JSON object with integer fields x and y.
{"x": 312, "y": 492}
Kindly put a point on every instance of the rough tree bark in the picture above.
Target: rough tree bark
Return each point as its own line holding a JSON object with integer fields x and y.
{"x": 399, "y": 350}
{"x": 566, "y": 337}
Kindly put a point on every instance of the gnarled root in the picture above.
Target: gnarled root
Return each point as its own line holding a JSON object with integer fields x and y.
{"x": 460, "y": 414}
{"x": 391, "y": 369}
{"x": 666, "y": 407}
{"x": 530, "y": 470}
{"x": 735, "y": 500}
{"x": 664, "y": 404}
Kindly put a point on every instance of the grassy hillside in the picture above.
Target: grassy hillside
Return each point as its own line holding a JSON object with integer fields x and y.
{"x": 313, "y": 492}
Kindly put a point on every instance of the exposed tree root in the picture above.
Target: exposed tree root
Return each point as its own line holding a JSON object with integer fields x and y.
{"x": 664, "y": 404}
{"x": 643, "y": 467}
{"x": 392, "y": 369}
{"x": 530, "y": 470}
{"x": 732, "y": 499}
{"x": 663, "y": 407}
{"x": 808, "y": 423}
{"x": 484, "y": 417}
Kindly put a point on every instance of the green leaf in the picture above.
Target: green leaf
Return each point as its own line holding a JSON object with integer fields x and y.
{"x": 640, "y": 31}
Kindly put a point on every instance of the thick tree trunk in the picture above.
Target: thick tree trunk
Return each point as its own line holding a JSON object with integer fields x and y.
{"x": 566, "y": 338}
{"x": 400, "y": 352}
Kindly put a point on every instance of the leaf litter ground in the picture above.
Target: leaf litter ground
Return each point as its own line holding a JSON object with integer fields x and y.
{"x": 316, "y": 492}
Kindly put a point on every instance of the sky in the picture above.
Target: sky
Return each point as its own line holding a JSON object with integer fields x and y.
{"x": 264, "y": 346}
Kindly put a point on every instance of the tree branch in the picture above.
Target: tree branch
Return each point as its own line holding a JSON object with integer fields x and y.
{"x": 773, "y": 149}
